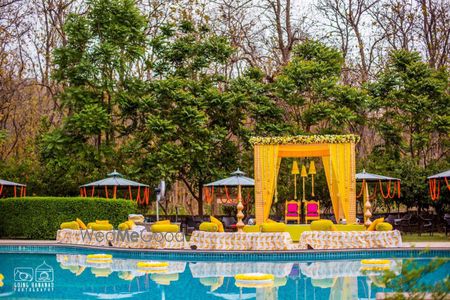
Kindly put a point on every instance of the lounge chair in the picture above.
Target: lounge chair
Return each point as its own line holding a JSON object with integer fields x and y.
{"x": 229, "y": 223}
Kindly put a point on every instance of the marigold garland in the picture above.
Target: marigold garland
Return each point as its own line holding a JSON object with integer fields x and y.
{"x": 306, "y": 139}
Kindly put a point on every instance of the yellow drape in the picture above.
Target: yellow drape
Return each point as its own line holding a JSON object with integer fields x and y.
{"x": 266, "y": 173}
{"x": 332, "y": 185}
{"x": 340, "y": 172}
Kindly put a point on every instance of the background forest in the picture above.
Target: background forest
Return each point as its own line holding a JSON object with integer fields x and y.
{"x": 173, "y": 90}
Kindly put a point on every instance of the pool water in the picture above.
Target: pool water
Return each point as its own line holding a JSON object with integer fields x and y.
{"x": 70, "y": 275}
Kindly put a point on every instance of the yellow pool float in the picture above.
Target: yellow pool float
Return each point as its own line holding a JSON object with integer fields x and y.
{"x": 99, "y": 258}
{"x": 375, "y": 262}
{"x": 254, "y": 280}
{"x": 375, "y": 265}
{"x": 152, "y": 266}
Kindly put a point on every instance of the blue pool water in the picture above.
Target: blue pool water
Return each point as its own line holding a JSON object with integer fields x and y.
{"x": 52, "y": 272}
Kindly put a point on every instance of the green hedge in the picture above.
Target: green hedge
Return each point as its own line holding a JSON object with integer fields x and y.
{"x": 40, "y": 217}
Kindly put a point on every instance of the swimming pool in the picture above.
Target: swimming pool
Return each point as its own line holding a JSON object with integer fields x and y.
{"x": 64, "y": 272}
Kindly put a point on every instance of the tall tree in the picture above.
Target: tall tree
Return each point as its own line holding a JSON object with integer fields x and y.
{"x": 307, "y": 89}
{"x": 94, "y": 65}
{"x": 410, "y": 102}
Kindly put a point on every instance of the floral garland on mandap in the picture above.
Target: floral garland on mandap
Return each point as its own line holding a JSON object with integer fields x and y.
{"x": 306, "y": 139}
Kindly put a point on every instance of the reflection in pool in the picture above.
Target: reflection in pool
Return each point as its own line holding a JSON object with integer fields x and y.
{"x": 74, "y": 276}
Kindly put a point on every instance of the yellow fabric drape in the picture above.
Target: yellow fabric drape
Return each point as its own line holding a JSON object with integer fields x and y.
{"x": 340, "y": 172}
{"x": 266, "y": 172}
{"x": 332, "y": 185}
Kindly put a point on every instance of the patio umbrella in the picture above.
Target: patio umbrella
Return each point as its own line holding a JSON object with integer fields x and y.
{"x": 434, "y": 182}
{"x": 116, "y": 180}
{"x": 365, "y": 178}
{"x": 237, "y": 179}
{"x": 15, "y": 185}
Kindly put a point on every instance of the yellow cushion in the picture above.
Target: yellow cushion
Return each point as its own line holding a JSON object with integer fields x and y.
{"x": 271, "y": 221}
{"x": 383, "y": 226}
{"x": 96, "y": 226}
{"x": 130, "y": 224}
{"x": 70, "y": 225}
{"x": 251, "y": 228}
{"x": 374, "y": 224}
{"x": 102, "y": 221}
{"x": 165, "y": 228}
{"x": 273, "y": 227}
{"x": 209, "y": 227}
{"x": 81, "y": 223}
{"x": 323, "y": 225}
{"x": 162, "y": 222}
{"x": 218, "y": 223}
{"x": 123, "y": 226}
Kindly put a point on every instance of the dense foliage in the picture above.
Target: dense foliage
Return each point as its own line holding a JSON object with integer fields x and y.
{"x": 190, "y": 120}
{"x": 40, "y": 217}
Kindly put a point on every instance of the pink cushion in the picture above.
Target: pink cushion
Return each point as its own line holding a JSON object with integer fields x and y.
{"x": 289, "y": 214}
{"x": 312, "y": 214}
{"x": 311, "y": 208}
{"x": 292, "y": 208}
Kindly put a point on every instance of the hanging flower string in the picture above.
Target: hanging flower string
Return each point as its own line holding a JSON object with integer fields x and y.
{"x": 391, "y": 192}
{"x": 446, "y": 182}
{"x": 395, "y": 190}
{"x": 435, "y": 188}
{"x": 362, "y": 189}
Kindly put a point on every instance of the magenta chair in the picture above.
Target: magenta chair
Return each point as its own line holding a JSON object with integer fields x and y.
{"x": 292, "y": 211}
{"x": 312, "y": 211}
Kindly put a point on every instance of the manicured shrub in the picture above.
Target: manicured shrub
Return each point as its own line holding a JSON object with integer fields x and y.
{"x": 41, "y": 217}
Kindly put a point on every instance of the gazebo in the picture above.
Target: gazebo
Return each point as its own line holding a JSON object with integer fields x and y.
{"x": 376, "y": 180}
{"x": 237, "y": 179}
{"x": 338, "y": 158}
{"x": 14, "y": 185}
{"x": 116, "y": 181}
{"x": 434, "y": 182}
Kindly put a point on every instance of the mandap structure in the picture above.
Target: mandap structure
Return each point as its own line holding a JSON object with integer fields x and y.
{"x": 434, "y": 182}
{"x": 116, "y": 181}
{"x": 6, "y": 184}
{"x": 338, "y": 158}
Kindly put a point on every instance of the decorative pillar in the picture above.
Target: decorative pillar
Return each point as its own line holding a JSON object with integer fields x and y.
{"x": 367, "y": 205}
{"x": 240, "y": 215}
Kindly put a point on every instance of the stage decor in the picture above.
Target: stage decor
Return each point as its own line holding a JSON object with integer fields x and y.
{"x": 338, "y": 157}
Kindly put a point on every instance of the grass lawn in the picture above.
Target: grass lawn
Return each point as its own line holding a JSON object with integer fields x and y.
{"x": 425, "y": 237}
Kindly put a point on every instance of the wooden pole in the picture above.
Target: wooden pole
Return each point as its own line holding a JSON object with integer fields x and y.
{"x": 295, "y": 186}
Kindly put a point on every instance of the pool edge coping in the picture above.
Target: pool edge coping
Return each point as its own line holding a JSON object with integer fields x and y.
{"x": 189, "y": 251}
